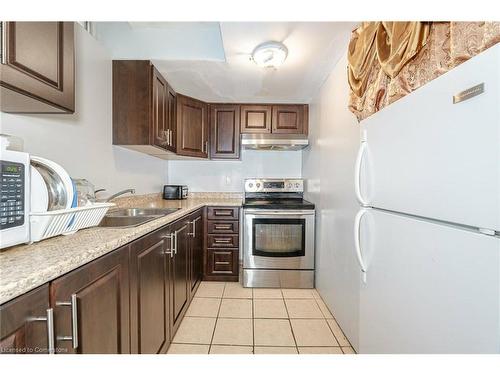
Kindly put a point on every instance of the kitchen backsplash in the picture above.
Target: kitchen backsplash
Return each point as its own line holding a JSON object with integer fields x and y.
{"x": 228, "y": 176}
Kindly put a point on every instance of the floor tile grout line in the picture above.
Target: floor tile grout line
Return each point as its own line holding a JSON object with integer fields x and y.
{"x": 216, "y": 319}
{"x": 290, "y": 323}
{"x": 253, "y": 326}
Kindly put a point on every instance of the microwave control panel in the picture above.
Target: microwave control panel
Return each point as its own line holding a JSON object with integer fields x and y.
{"x": 12, "y": 194}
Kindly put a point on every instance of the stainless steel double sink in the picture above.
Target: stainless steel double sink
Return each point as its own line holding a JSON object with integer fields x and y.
{"x": 132, "y": 217}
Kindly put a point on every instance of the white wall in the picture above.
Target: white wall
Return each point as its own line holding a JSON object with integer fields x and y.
{"x": 228, "y": 176}
{"x": 328, "y": 167}
{"x": 81, "y": 142}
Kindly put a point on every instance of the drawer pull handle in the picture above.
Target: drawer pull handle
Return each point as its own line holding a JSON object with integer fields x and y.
{"x": 222, "y": 226}
{"x": 223, "y": 213}
{"x": 223, "y": 263}
{"x": 49, "y": 318}
{"x": 222, "y": 241}
{"x": 74, "y": 321}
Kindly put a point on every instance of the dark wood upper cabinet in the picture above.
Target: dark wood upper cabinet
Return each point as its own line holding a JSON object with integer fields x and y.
{"x": 255, "y": 118}
{"x": 37, "y": 70}
{"x": 91, "y": 305}
{"x": 192, "y": 127}
{"x": 159, "y": 121}
{"x": 224, "y": 131}
{"x": 25, "y": 323}
{"x": 143, "y": 108}
{"x": 150, "y": 294}
{"x": 172, "y": 119}
{"x": 289, "y": 119}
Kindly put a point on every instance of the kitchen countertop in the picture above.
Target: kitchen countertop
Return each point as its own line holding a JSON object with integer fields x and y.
{"x": 25, "y": 267}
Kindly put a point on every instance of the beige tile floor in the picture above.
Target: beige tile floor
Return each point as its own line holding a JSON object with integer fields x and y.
{"x": 225, "y": 318}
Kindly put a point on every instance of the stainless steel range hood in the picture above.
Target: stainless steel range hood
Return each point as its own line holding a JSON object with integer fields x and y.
{"x": 274, "y": 142}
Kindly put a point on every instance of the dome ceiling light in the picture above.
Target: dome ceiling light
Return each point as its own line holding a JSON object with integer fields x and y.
{"x": 270, "y": 54}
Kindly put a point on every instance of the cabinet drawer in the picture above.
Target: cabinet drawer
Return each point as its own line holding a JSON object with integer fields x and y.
{"x": 223, "y": 261}
{"x": 223, "y": 240}
{"x": 223, "y": 227}
{"x": 222, "y": 213}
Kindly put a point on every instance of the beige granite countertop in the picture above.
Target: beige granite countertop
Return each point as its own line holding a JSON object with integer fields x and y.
{"x": 25, "y": 267}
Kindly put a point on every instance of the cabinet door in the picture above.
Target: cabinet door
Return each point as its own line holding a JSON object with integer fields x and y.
{"x": 255, "y": 119}
{"x": 149, "y": 291}
{"x": 289, "y": 119}
{"x": 196, "y": 250}
{"x": 91, "y": 306}
{"x": 25, "y": 323}
{"x": 172, "y": 119}
{"x": 192, "y": 127}
{"x": 159, "y": 114}
{"x": 37, "y": 70}
{"x": 180, "y": 285}
{"x": 224, "y": 131}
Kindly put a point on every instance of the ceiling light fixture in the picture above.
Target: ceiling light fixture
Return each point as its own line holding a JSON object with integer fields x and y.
{"x": 270, "y": 54}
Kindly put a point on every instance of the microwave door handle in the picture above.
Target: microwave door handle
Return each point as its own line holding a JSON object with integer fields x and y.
{"x": 357, "y": 240}
{"x": 357, "y": 174}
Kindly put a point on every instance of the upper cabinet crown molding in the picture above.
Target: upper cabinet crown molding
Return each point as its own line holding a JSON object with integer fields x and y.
{"x": 37, "y": 70}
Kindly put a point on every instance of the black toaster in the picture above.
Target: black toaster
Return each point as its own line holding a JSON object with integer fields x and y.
{"x": 175, "y": 192}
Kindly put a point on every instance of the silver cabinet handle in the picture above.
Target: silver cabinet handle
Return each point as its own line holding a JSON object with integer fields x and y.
{"x": 74, "y": 321}
{"x": 170, "y": 251}
{"x": 50, "y": 330}
{"x": 193, "y": 223}
{"x": 3, "y": 36}
{"x": 222, "y": 241}
{"x": 218, "y": 226}
{"x": 175, "y": 242}
{"x": 49, "y": 318}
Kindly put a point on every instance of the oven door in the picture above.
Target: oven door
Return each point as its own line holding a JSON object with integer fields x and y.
{"x": 278, "y": 239}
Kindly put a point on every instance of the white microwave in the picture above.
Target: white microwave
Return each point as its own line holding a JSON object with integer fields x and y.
{"x": 15, "y": 198}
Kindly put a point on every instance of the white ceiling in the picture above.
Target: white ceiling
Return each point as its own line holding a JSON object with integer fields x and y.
{"x": 211, "y": 60}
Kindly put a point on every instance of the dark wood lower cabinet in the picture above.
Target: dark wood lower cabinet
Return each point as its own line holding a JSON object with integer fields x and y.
{"x": 131, "y": 300}
{"x": 24, "y": 323}
{"x": 196, "y": 250}
{"x": 180, "y": 283}
{"x": 91, "y": 306}
{"x": 222, "y": 244}
{"x": 150, "y": 294}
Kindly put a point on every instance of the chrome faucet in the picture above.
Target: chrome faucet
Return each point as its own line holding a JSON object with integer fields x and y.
{"x": 131, "y": 191}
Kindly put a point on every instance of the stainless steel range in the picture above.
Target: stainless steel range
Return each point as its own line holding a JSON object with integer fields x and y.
{"x": 278, "y": 234}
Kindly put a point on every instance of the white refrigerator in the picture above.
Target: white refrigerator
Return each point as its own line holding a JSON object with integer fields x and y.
{"x": 427, "y": 234}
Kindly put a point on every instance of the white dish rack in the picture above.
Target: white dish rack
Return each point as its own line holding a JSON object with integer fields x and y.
{"x": 67, "y": 221}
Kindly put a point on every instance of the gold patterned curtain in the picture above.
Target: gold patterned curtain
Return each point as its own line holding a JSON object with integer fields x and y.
{"x": 388, "y": 60}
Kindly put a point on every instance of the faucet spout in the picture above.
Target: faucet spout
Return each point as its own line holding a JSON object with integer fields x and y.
{"x": 131, "y": 191}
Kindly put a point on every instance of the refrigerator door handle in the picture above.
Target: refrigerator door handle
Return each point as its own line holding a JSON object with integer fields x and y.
{"x": 357, "y": 240}
{"x": 357, "y": 174}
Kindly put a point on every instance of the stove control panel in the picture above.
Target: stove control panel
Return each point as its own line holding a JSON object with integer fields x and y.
{"x": 273, "y": 185}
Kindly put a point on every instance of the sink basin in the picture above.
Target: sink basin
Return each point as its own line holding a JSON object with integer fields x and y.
{"x": 131, "y": 217}
{"x": 135, "y": 212}
{"x": 125, "y": 221}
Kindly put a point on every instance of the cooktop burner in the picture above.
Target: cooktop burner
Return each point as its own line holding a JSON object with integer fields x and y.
{"x": 282, "y": 204}
{"x": 276, "y": 194}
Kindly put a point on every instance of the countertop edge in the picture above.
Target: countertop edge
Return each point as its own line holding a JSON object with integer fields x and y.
{"x": 13, "y": 289}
